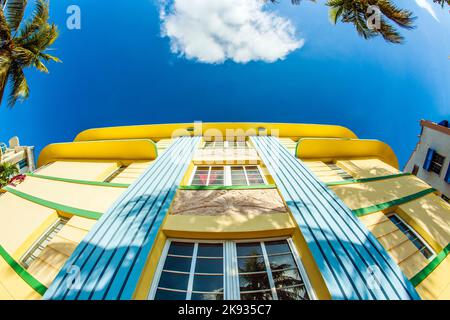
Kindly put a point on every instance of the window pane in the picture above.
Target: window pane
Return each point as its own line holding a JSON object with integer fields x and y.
{"x": 286, "y": 278}
{"x": 251, "y": 264}
{"x": 285, "y": 261}
{"x": 206, "y": 296}
{"x": 248, "y": 249}
{"x": 257, "y": 281}
{"x": 216, "y": 176}
{"x": 265, "y": 295}
{"x": 273, "y": 247}
{"x": 294, "y": 293}
{"x": 177, "y": 264}
{"x": 210, "y": 250}
{"x": 169, "y": 295}
{"x": 209, "y": 265}
{"x": 208, "y": 283}
{"x": 181, "y": 248}
{"x": 238, "y": 176}
{"x": 173, "y": 280}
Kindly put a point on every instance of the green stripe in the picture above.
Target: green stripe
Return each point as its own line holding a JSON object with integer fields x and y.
{"x": 391, "y": 176}
{"x": 27, "y": 277}
{"x": 258, "y": 186}
{"x": 378, "y": 207}
{"x": 53, "y": 205}
{"x": 425, "y": 272}
{"x": 91, "y": 183}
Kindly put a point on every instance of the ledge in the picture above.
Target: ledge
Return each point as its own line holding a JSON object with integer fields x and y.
{"x": 340, "y": 149}
{"x": 86, "y": 182}
{"x": 112, "y": 150}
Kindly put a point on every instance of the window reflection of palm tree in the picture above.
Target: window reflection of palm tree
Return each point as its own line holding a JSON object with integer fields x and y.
{"x": 282, "y": 277}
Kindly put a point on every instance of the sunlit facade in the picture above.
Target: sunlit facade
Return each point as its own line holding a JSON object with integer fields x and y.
{"x": 222, "y": 211}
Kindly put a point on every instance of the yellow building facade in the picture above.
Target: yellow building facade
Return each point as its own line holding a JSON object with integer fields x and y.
{"x": 250, "y": 211}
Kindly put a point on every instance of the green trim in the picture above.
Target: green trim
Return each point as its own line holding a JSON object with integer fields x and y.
{"x": 53, "y": 205}
{"x": 391, "y": 176}
{"x": 378, "y": 207}
{"x": 23, "y": 273}
{"x": 425, "y": 272}
{"x": 258, "y": 186}
{"x": 91, "y": 183}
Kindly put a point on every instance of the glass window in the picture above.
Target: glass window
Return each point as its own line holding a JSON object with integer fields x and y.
{"x": 261, "y": 271}
{"x": 420, "y": 244}
{"x": 43, "y": 241}
{"x": 227, "y": 175}
{"x": 436, "y": 163}
{"x": 339, "y": 171}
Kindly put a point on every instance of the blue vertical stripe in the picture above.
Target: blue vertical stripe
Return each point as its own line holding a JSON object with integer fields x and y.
{"x": 345, "y": 251}
{"x": 109, "y": 261}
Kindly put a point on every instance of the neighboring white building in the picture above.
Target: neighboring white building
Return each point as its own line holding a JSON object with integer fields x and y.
{"x": 23, "y": 156}
{"x": 430, "y": 161}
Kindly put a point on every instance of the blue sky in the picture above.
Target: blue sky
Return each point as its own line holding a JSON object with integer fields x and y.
{"x": 119, "y": 70}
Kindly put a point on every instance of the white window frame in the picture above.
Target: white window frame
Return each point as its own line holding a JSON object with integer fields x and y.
{"x": 415, "y": 233}
{"x": 44, "y": 236}
{"x": 230, "y": 267}
{"x": 227, "y": 180}
{"x": 226, "y": 145}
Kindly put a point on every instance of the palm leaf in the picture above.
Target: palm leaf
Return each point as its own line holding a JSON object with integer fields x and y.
{"x": 19, "y": 85}
{"x": 14, "y": 12}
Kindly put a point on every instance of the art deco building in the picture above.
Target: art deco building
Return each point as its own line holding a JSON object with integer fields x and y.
{"x": 222, "y": 211}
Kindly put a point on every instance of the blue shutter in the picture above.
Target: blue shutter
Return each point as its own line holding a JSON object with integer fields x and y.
{"x": 447, "y": 176}
{"x": 427, "y": 163}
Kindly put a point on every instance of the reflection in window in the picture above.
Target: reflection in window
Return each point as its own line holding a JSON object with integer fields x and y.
{"x": 201, "y": 263}
{"x": 265, "y": 271}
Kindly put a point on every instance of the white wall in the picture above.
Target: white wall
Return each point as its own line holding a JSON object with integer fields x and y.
{"x": 440, "y": 142}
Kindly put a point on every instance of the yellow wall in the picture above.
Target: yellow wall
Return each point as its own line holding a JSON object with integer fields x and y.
{"x": 22, "y": 221}
{"x": 430, "y": 216}
{"x": 131, "y": 172}
{"x": 79, "y": 170}
{"x": 401, "y": 249}
{"x": 12, "y": 286}
{"x": 93, "y": 198}
{"x": 55, "y": 254}
{"x": 367, "y": 168}
{"x": 437, "y": 284}
{"x": 362, "y": 195}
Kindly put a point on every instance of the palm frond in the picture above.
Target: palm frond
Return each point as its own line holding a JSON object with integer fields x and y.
{"x": 14, "y": 12}
{"x": 5, "y": 31}
{"x": 39, "y": 18}
{"x": 19, "y": 86}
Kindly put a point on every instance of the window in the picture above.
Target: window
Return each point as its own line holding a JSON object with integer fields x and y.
{"x": 225, "y": 144}
{"x": 339, "y": 171}
{"x": 22, "y": 163}
{"x": 260, "y": 270}
{"x": 114, "y": 175}
{"x": 42, "y": 242}
{"x": 227, "y": 176}
{"x": 417, "y": 240}
{"x": 433, "y": 161}
{"x": 415, "y": 170}
{"x": 436, "y": 163}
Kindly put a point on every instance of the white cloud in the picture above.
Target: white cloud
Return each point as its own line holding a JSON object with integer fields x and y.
{"x": 424, "y": 4}
{"x": 212, "y": 31}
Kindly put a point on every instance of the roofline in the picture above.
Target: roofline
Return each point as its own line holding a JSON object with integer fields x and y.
{"x": 435, "y": 126}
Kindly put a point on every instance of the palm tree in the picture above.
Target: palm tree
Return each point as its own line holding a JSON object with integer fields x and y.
{"x": 442, "y": 2}
{"x": 7, "y": 171}
{"x": 356, "y": 13}
{"x": 23, "y": 44}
